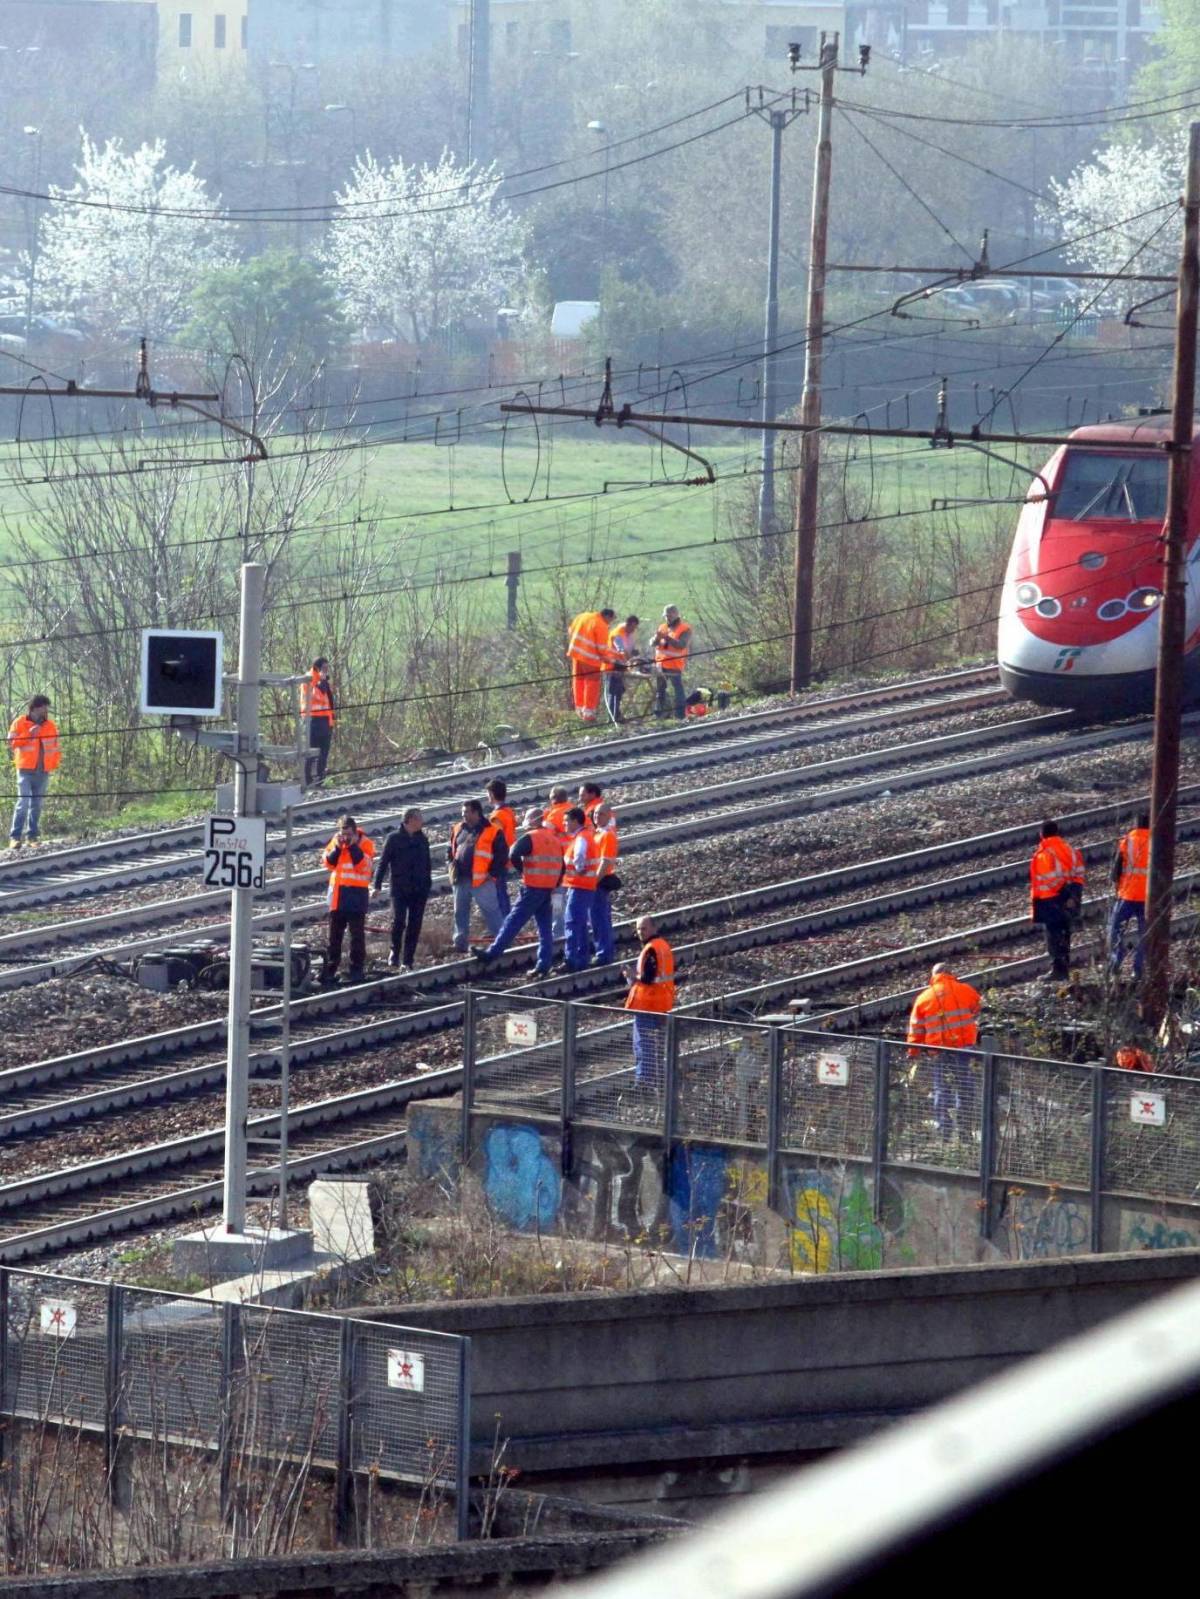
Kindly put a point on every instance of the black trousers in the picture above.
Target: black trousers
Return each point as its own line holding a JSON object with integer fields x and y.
{"x": 320, "y": 736}
{"x": 1057, "y": 926}
{"x": 339, "y": 921}
{"x": 408, "y": 912}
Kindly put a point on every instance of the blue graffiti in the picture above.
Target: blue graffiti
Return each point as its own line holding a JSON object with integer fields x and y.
{"x": 522, "y": 1183}
{"x": 697, "y": 1185}
{"x": 436, "y": 1154}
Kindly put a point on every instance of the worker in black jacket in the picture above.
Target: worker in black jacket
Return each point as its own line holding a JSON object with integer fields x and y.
{"x": 406, "y": 857}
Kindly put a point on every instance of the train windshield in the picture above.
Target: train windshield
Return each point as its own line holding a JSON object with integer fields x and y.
{"x": 1132, "y": 488}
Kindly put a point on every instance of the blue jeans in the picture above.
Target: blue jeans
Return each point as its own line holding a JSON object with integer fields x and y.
{"x": 660, "y": 693}
{"x": 1126, "y": 910}
{"x": 614, "y": 692}
{"x": 486, "y": 898}
{"x": 578, "y": 918}
{"x": 559, "y": 902}
{"x": 502, "y": 893}
{"x": 648, "y": 1048}
{"x": 31, "y": 791}
{"x": 533, "y": 903}
{"x": 602, "y": 927}
{"x": 953, "y": 1092}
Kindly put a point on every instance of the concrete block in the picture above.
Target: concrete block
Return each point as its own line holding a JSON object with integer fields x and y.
{"x": 339, "y": 1209}
{"x": 216, "y": 1255}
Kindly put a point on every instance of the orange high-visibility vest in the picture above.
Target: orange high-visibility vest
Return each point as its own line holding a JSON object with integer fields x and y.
{"x": 1132, "y": 1059}
{"x": 587, "y": 875}
{"x": 656, "y": 993}
{"x": 346, "y": 874}
{"x": 946, "y": 1014}
{"x": 671, "y": 646}
{"x": 543, "y": 866}
{"x": 481, "y": 863}
{"x": 620, "y": 648}
{"x": 555, "y": 818}
{"x": 1055, "y": 864}
{"x": 506, "y": 820}
{"x": 587, "y": 641}
{"x": 315, "y": 700}
{"x": 606, "y": 838}
{"x": 34, "y": 745}
{"x": 1134, "y": 850}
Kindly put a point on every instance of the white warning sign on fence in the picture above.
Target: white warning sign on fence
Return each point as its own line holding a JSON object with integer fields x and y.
{"x": 520, "y": 1028}
{"x": 1148, "y": 1109}
{"x": 406, "y": 1370}
{"x": 833, "y": 1071}
{"x": 58, "y": 1318}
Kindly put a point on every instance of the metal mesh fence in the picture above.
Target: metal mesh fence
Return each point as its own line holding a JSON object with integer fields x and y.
{"x": 57, "y": 1351}
{"x": 620, "y": 1066}
{"x": 722, "y": 1081}
{"x": 1043, "y": 1121}
{"x": 172, "y": 1380}
{"x": 827, "y": 1094}
{"x": 406, "y": 1403}
{"x": 288, "y": 1377}
{"x": 518, "y": 1053}
{"x": 1151, "y": 1135}
{"x": 934, "y": 1107}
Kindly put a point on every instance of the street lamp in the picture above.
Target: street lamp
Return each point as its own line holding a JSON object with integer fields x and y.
{"x": 349, "y": 111}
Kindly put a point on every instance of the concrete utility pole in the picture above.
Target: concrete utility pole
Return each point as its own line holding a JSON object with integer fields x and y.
{"x": 237, "y": 1077}
{"x": 1172, "y": 621}
{"x": 512, "y": 583}
{"x": 810, "y": 402}
{"x": 479, "y": 83}
{"x": 778, "y": 120}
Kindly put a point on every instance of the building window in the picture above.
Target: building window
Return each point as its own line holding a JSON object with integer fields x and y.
{"x": 245, "y": 32}
{"x": 219, "y": 31}
{"x": 185, "y": 30}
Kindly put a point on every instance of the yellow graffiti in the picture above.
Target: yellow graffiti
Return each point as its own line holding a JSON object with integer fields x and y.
{"x": 748, "y": 1184}
{"x": 810, "y": 1238}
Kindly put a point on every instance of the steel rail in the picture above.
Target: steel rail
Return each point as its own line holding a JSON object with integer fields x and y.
{"x": 165, "y": 852}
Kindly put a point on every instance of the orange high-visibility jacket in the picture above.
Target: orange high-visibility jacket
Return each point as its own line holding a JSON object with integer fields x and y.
{"x": 1055, "y": 864}
{"x": 481, "y": 862}
{"x": 505, "y": 819}
{"x": 671, "y": 646}
{"x": 34, "y": 745}
{"x": 653, "y": 993}
{"x": 543, "y": 866}
{"x": 587, "y": 874}
{"x": 346, "y": 873}
{"x": 945, "y": 1015}
{"x": 587, "y": 642}
{"x": 1134, "y": 851}
{"x": 315, "y": 700}
{"x": 1132, "y": 1059}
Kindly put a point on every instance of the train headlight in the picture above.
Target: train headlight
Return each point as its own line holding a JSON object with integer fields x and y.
{"x": 1144, "y": 599}
{"x": 1048, "y": 608}
{"x": 1028, "y": 594}
{"x": 1111, "y": 610}
{"x": 1092, "y": 561}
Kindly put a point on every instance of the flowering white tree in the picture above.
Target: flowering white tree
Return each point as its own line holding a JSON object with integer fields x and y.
{"x": 418, "y": 248}
{"x": 134, "y": 266}
{"x": 1123, "y": 181}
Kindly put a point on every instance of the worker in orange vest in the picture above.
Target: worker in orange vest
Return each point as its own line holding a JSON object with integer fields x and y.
{"x": 1132, "y": 1059}
{"x": 589, "y": 654}
{"x": 945, "y": 1018}
{"x": 477, "y": 853}
{"x": 672, "y": 644}
{"x": 33, "y": 740}
{"x": 348, "y": 858}
{"x": 1131, "y": 874}
{"x": 538, "y": 856}
{"x": 581, "y": 873}
{"x": 622, "y": 654}
{"x": 589, "y": 798}
{"x": 505, "y": 818}
{"x": 1056, "y": 874}
{"x": 605, "y": 822}
{"x": 651, "y": 995}
{"x": 316, "y": 705}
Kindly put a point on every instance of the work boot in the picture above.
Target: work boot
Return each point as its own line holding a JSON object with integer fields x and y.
{"x": 353, "y": 977}
{"x": 14, "y": 843}
{"x": 394, "y": 958}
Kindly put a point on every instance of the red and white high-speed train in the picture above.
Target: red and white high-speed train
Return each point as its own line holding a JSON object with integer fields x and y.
{"x": 1079, "y": 610}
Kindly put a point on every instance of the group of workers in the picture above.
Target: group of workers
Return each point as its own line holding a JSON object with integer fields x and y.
{"x": 945, "y": 1015}
{"x": 602, "y": 655}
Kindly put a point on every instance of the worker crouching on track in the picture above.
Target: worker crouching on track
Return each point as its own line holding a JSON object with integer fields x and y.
{"x": 588, "y": 653}
{"x": 945, "y": 1018}
{"x": 33, "y": 740}
{"x": 651, "y": 996}
{"x": 1131, "y": 872}
{"x": 348, "y": 860}
{"x": 406, "y": 863}
{"x": 538, "y": 856}
{"x": 1056, "y": 874}
{"x": 477, "y": 855}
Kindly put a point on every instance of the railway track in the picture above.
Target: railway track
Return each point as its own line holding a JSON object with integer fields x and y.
{"x": 668, "y": 818}
{"x": 52, "y": 1211}
{"x": 31, "y": 882}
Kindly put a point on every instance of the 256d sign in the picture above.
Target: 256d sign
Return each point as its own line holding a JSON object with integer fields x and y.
{"x": 235, "y": 851}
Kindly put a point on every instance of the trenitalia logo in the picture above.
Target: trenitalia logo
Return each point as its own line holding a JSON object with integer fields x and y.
{"x": 1066, "y": 660}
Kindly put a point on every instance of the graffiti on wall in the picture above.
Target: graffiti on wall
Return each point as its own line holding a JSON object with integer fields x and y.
{"x": 616, "y": 1189}
{"x": 1152, "y": 1232}
{"x": 831, "y": 1222}
{"x": 521, "y": 1181}
{"x": 1044, "y": 1226}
